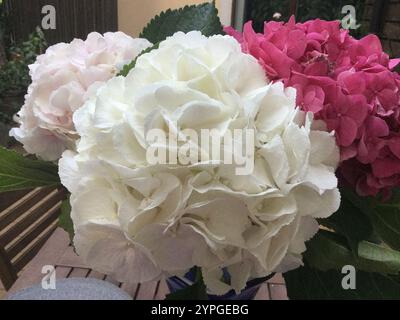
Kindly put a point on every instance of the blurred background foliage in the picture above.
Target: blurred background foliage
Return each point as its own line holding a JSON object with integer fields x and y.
{"x": 261, "y": 10}
{"x": 14, "y": 71}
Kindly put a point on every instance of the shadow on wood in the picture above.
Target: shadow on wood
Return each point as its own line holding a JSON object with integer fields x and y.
{"x": 27, "y": 220}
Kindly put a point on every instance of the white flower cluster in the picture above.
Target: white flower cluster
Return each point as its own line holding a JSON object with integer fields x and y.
{"x": 63, "y": 79}
{"x": 138, "y": 221}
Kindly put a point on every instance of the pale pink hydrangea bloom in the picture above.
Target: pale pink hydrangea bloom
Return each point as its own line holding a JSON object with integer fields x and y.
{"x": 63, "y": 79}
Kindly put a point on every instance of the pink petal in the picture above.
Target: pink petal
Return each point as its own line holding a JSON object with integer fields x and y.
{"x": 357, "y": 109}
{"x": 376, "y": 127}
{"x": 347, "y": 131}
{"x": 393, "y": 63}
{"x": 394, "y": 145}
{"x": 296, "y": 44}
{"x": 347, "y": 153}
{"x": 353, "y": 82}
{"x": 234, "y": 33}
{"x": 383, "y": 168}
{"x": 277, "y": 60}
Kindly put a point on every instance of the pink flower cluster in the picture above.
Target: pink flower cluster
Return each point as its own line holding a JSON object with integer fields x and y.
{"x": 346, "y": 82}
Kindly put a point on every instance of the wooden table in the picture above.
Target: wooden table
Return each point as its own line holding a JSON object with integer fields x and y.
{"x": 58, "y": 252}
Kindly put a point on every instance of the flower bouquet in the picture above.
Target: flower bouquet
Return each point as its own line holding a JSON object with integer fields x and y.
{"x": 217, "y": 158}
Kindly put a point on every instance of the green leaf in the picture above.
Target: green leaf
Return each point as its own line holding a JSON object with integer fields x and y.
{"x": 309, "y": 283}
{"x": 377, "y": 258}
{"x": 18, "y": 172}
{"x": 128, "y": 67}
{"x": 203, "y": 17}
{"x": 364, "y": 204}
{"x": 384, "y": 215}
{"x": 197, "y": 291}
{"x": 386, "y": 220}
{"x": 344, "y": 221}
{"x": 328, "y": 251}
{"x": 65, "y": 221}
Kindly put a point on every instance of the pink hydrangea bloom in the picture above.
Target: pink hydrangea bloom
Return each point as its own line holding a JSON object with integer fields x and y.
{"x": 348, "y": 83}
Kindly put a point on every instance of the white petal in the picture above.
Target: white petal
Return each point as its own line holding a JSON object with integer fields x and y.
{"x": 275, "y": 155}
{"x": 212, "y": 279}
{"x": 311, "y": 203}
{"x": 105, "y": 248}
{"x": 68, "y": 171}
{"x": 240, "y": 274}
{"x": 173, "y": 250}
{"x": 324, "y": 149}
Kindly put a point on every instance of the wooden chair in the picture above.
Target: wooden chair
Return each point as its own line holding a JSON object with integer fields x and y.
{"x": 27, "y": 220}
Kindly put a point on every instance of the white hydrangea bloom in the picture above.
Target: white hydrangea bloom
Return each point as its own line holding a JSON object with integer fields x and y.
{"x": 164, "y": 219}
{"x": 63, "y": 79}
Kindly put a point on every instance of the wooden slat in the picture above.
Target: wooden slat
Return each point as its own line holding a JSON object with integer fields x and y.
{"x": 57, "y": 247}
{"x": 45, "y": 234}
{"x": 79, "y": 273}
{"x": 130, "y": 288}
{"x": 7, "y": 273}
{"x": 70, "y": 258}
{"x": 278, "y": 292}
{"x": 21, "y": 205}
{"x": 378, "y": 16}
{"x": 33, "y": 232}
{"x": 96, "y": 275}
{"x": 113, "y": 281}
{"x": 263, "y": 293}
{"x": 277, "y": 279}
{"x": 62, "y": 272}
{"x": 74, "y": 18}
{"x": 147, "y": 291}
{"x": 2, "y": 291}
{"x": 48, "y": 255}
{"x": 33, "y": 249}
{"x": 31, "y": 216}
{"x": 162, "y": 290}
{"x": 8, "y": 198}
{"x": 23, "y": 260}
